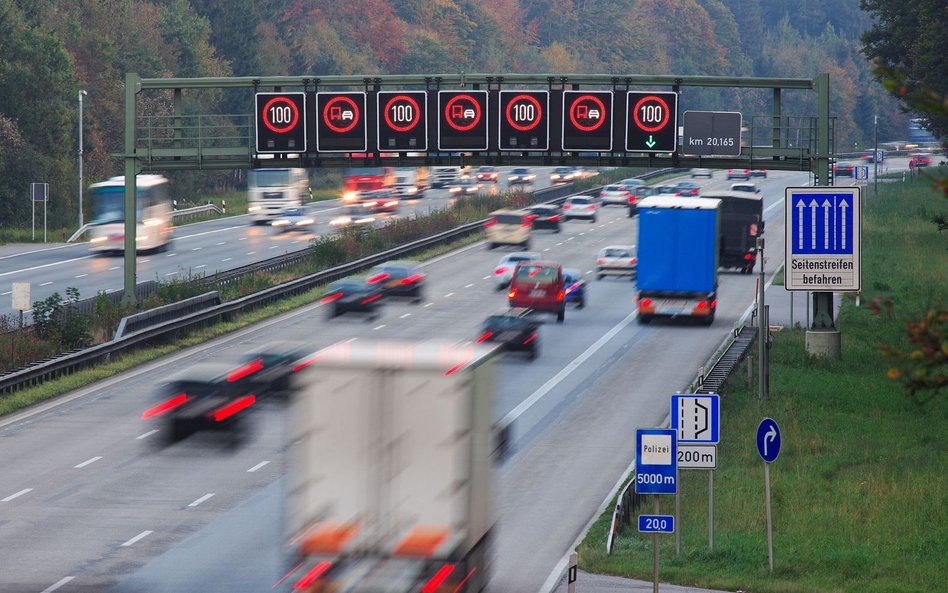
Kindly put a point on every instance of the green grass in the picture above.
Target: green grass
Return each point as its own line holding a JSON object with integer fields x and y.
{"x": 860, "y": 492}
{"x": 50, "y": 389}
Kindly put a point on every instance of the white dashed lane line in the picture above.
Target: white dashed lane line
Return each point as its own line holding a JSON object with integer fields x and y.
{"x": 45, "y": 283}
{"x": 450, "y": 294}
{"x": 115, "y": 268}
{"x": 146, "y": 435}
{"x": 405, "y": 315}
{"x": 256, "y": 467}
{"x": 16, "y": 495}
{"x": 55, "y": 586}
{"x": 196, "y": 248}
{"x": 81, "y": 276}
{"x": 227, "y": 259}
{"x": 251, "y": 253}
{"x": 170, "y": 273}
{"x": 87, "y": 462}
{"x": 222, "y": 243}
{"x": 200, "y": 266}
{"x": 171, "y": 254}
{"x": 378, "y": 327}
{"x": 428, "y": 304}
{"x": 469, "y": 285}
{"x": 137, "y": 538}
{"x": 202, "y": 499}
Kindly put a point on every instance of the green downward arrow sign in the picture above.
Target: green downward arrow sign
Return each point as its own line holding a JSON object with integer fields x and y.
{"x": 651, "y": 141}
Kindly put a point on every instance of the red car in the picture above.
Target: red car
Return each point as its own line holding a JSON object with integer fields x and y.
{"x": 487, "y": 173}
{"x": 920, "y": 160}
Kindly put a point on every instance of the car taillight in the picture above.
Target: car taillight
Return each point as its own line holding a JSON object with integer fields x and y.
{"x": 484, "y": 337}
{"x": 225, "y": 412}
{"x": 310, "y": 577}
{"x": 165, "y": 406}
{"x": 632, "y": 261}
{"x": 500, "y": 271}
{"x": 412, "y": 279}
{"x": 590, "y": 207}
{"x": 753, "y": 230}
{"x": 491, "y": 222}
{"x": 601, "y": 261}
{"x": 702, "y": 305}
{"x": 434, "y": 583}
{"x": 530, "y": 338}
{"x": 602, "y": 194}
{"x": 331, "y": 298}
{"x": 512, "y": 293}
{"x": 244, "y": 371}
{"x": 566, "y": 206}
{"x": 645, "y": 303}
{"x": 631, "y": 199}
{"x": 554, "y": 218}
{"x": 560, "y": 295}
{"x": 748, "y": 256}
{"x": 527, "y": 223}
{"x": 378, "y": 278}
{"x": 370, "y": 299}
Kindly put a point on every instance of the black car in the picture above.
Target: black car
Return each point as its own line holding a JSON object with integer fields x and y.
{"x": 276, "y": 361}
{"x": 545, "y": 216}
{"x": 686, "y": 188}
{"x": 399, "y": 278}
{"x": 513, "y": 329}
{"x": 207, "y": 396}
{"x": 639, "y": 193}
{"x": 353, "y": 296}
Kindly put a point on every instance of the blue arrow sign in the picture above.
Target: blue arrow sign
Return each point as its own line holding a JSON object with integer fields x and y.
{"x": 822, "y": 224}
{"x": 768, "y": 439}
{"x": 657, "y": 523}
{"x": 656, "y": 466}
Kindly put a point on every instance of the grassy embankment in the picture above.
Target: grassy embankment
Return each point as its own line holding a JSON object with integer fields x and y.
{"x": 860, "y": 491}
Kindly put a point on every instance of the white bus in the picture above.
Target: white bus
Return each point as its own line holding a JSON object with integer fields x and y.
{"x": 269, "y": 191}
{"x": 154, "y": 209}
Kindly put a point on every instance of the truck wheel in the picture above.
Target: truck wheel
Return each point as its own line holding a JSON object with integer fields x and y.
{"x": 582, "y": 303}
{"x": 645, "y": 319}
{"x": 490, "y": 245}
{"x": 709, "y": 319}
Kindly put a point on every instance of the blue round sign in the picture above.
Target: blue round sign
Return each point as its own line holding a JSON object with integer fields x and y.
{"x": 768, "y": 439}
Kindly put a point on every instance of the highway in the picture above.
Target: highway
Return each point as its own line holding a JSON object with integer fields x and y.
{"x": 92, "y": 504}
{"x": 199, "y": 248}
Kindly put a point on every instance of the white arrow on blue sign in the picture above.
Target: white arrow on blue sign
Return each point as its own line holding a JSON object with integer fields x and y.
{"x": 823, "y": 251}
{"x": 768, "y": 439}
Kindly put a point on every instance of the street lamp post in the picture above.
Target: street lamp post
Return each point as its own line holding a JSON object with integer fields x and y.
{"x": 81, "y": 95}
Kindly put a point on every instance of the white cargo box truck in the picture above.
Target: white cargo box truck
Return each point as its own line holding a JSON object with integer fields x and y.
{"x": 390, "y": 476}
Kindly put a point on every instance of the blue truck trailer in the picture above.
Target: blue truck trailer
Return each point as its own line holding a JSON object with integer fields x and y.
{"x": 678, "y": 258}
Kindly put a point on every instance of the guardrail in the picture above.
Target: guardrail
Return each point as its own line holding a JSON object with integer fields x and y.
{"x": 66, "y": 364}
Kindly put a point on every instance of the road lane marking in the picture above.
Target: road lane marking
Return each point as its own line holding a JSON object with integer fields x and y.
{"x": 242, "y": 239}
{"x": 18, "y": 494}
{"x": 405, "y": 315}
{"x": 6, "y": 293}
{"x": 560, "y": 243}
{"x": 378, "y": 327}
{"x": 273, "y": 247}
{"x": 57, "y": 584}
{"x": 450, "y": 294}
{"x": 469, "y": 285}
{"x": 223, "y": 243}
{"x": 143, "y": 261}
{"x": 196, "y": 248}
{"x": 115, "y": 268}
{"x": 227, "y": 259}
{"x": 108, "y": 290}
{"x": 137, "y": 538}
{"x": 547, "y": 249}
{"x": 45, "y": 283}
{"x": 147, "y": 434}
{"x": 486, "y": 278}
{"x": 170, "y": 273}
{"x": 200, "y": 266}
{"x": 170, "y": 254}
{"x": 202, "y": 499}
{"x": 251, "y": 253}
{"x": 87, "y": 462}
{"x": 65, "y": 261}
{"x": 428, "y": 304}
{"x": 80, "y": 276}
{"x": 256, "y": 467}
{"x": 570, "y": 239}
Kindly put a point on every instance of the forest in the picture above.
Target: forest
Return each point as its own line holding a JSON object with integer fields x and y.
{"x": 50, "y": 50}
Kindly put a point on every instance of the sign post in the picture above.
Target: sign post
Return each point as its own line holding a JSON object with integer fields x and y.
{"x": 656, "y": 472}
{"x": 823, "y": 254}
{"x": 768, "y": 445}
{"x": 697, "y": 419}
{"x": 39, "y": 192}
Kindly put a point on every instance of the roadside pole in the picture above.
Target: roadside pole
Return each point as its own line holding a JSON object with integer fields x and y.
{"x": 761, "y": 325}
{"x": 656, "y": 472}
{"x": 768, "y": 445}
{"x": 656, "y": 509}
{"x": 711, "y": 510}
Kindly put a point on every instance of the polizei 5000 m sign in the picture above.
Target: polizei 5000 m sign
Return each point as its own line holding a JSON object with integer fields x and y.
{"x": 823, "y": 239}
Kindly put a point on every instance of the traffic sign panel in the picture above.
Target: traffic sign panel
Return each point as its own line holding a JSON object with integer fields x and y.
{"x": 696, "y": 417}
{"x": 462, "y": 120}
{"x": 651, "y": 121}
{"x": 712, "y": 133}
{"x": 524, "y": 122}
{"x": 657, "y": 523}
{"x": 403, "y": 120}
{"x": 656, "y": 469}
{"x": 768, "y": 439}
{"x": 280, "y": 122}
{"x": 823, "y": 251}
{"x": 587, "y": 120}
{"x": 340, "y": 122}
{"x": 697, "y": 457}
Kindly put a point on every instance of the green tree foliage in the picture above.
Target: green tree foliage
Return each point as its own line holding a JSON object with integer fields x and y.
{"x": 908, "y": 42}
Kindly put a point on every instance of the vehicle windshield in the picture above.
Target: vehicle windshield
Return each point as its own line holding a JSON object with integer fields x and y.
{"x": 502, "y": 322}
{"x": 544, "y": 274}
{"x": 578, "y": 200}
{"x": 509, "y": 219}
{"x": 108, "y": 203}
{"x": 270, "y": 177}
{"x": 615, "y": 253}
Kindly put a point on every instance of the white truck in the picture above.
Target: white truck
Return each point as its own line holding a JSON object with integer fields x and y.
{"x": 411, "y": 182}
{"x": 390, "y": 468}
{"x": 269, "y": 191}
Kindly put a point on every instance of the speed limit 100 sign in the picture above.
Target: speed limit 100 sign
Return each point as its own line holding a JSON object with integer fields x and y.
{"x": 651, "y": 121}
{"x": 281, "y": 122}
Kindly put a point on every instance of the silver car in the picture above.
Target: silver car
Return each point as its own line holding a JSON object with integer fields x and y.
{"x": 503, "y": 272}
{"x": 617, "y": 260}
{"x": 616, "y": 194}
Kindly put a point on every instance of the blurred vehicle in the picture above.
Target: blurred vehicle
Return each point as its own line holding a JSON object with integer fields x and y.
{"x": 919, "y": 160}
{"x": 154, "y": 220}
{"x": 390, "y": 473}
{"x": 687, "y": 189}
{"x": 503, "y": 271}
{"x": 411, "y": 182}
{"x": 579, "y": 207}
{"x": 638, "y": 193}
{"x": 616, "y": 194}
{"x": 750, "y": 188}
{"x": 632, "y": 182}
{"x": 699, "y": 172}
{"x": 545, "y": 216}
{"x": 616, "y": 260}
{"x": 668, "y": 190}
{"x": 562, "y": 175}
{"x": 445, "y": 176}
{"x": 399, "y": 278}
{"x": 487, "y": 173}
{"x": 575, "y": 287}
{"x": 353, "y": 296}
{"x": 742, "y": 220}
{"x": 294, "y": 218}
{"x": 521, "y": 175}
{"x": 869, "y": 156}
{"x": 270, "y": 191}
{"x": 206, "y": 396}
{"x": 376, "y": 202}
{"x": 359, "y": 180}
{"x": 583, "y": 173}
{"x": 539, "y": 285}
{"x": 508, "y": 227}
{"x": 677, "y": 271}
{"x": 758, "y": 173}
{"x": 844, "y": 170}
{"x": 276, "y": 361}
{"x": 744, "y": 174}
{"x": 513, "y": 329}
{"x": 465, "y": 187}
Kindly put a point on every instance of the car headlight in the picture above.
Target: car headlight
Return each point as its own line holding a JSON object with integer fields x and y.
{"x": 253, "y": 209}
